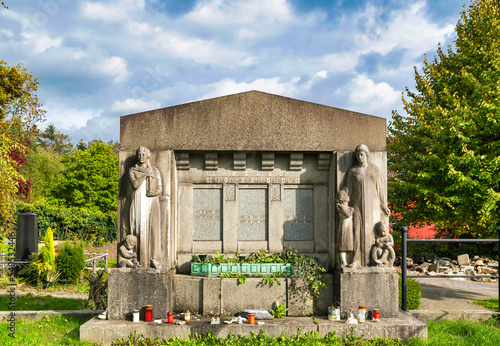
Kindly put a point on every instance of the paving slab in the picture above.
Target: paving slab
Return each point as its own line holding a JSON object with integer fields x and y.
{"x": 403, "y": 326}
{"x": 453, "y": 295}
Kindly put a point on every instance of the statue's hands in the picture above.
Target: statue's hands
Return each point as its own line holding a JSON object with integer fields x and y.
{"x": 386, "y": 210}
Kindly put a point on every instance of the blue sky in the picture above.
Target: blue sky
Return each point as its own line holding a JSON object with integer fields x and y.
{"x": 97, "y": 60}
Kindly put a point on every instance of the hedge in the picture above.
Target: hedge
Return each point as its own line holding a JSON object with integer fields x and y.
{"x": 413, "y": 294}
{"x": 69, "y": 223}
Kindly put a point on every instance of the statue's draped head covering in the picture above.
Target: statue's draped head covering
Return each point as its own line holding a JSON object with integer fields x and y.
{"x": 363, "y": 148}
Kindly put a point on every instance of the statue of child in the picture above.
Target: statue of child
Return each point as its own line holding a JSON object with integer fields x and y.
{"x": 126, "y": 255}
{"x": 382, "y": 253}
{"x": 345, "y": 236}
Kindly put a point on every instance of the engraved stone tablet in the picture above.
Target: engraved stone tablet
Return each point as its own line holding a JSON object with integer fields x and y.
{"x": 298, "y": 214}
{"x": 252, "y": 214}
{"x": 207, "y": 214}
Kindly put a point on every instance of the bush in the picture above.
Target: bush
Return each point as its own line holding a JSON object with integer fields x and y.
{"x": 413, "y": 294}
{"x": 47, "y": 253}
{"x": 31, "y": 274}
{"x": 68, "y": 223}
{"x": 71, "y": 261}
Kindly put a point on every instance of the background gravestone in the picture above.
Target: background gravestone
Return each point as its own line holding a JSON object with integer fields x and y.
{"x": 26, "y": 236}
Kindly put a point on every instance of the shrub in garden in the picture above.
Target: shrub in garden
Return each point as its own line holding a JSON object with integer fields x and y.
{"x": 71, "y": 261}
{"x": 48, "y": 253}
{"x": 413, "y": 293}
{"x": 67, "y": 223}
{"x": 35, "y": 272}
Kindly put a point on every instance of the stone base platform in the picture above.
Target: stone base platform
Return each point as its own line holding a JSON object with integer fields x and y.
{"x": 403, "y": 326}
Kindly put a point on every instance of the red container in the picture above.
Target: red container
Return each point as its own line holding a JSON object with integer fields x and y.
{"x": 170, "y": 318}
{"x": 149, "y": 313}
{"x": 376, "y": 315}
{"x": 251, "y": 319}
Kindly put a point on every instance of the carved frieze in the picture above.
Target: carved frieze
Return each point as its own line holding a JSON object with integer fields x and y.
{"x": 182, "y": 160}
{"x": 211, "y": 162}
{"x": 240, "y": 161}
{"x": 296, "y": 161}
{"x": 324, "y": 161}
{"x": 275, "y": 192}
{"x": 268, "y": 161}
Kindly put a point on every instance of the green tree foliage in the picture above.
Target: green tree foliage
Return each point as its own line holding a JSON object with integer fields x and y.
{"x": 20, "y": 111}
{"x": 42, "y": 169}
{"x": 53, "y": 140}
{"x": 446, "y": 152}
{"x": 71, "y": 261}
{"x": 89, "y": 179}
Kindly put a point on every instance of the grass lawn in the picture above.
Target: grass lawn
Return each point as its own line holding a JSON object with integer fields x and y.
{"x": 64, "y": 331}
{"x": 37, "y": 302}
{"x": 49, "y": 331}
{"x": 491, "y": 303}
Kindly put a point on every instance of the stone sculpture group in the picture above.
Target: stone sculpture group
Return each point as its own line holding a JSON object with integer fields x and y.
{"x": 361, "y": 206}
{"x": 363, "y": 237}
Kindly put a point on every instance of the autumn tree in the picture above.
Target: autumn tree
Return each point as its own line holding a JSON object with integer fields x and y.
{"x": 20, "y": 112}
{"x": 89, "y": 179}
{"x": 445, "y": 153}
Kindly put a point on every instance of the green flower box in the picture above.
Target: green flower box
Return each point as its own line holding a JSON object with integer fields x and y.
{"x": 212, "y": 270}
{"x": 264, "y": 268}
{"x": 204, "y": 269}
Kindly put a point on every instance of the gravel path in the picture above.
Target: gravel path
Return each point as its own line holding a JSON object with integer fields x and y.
{"x": 61, "y": 294}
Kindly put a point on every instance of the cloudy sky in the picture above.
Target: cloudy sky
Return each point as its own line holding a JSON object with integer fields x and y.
{"x": 99, "y": 59}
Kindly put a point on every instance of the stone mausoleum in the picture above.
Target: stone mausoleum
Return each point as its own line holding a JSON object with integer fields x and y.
{"x": 241, "y": 173}
{"x": 244, "y": 172}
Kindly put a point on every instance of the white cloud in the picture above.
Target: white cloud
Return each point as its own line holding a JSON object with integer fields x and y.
{"x": 183, "y": 47}
{"x": 34, "y": 37}
{"x": 115, "y": 12}
{"x": 78, "y": 54}
{"x": 341, "y": 61}
{"x": 410, "y": 29}
{"x": 64, "y": 117}
{"x": 271, "y": 85}
{"x": 247, "y": 12}
{"x": 245, "y": 33}
{"x": 372, "y": 96}
{"x": 134, "y": 106}
{"x": 40, "y": 42}
{"x": 115, "y": 67}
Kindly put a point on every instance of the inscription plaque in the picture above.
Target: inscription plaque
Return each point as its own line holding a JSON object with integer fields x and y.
{"x": 298, "y": 214}
{"x": 207, "y": 214}
{"x": 252, "y": 214}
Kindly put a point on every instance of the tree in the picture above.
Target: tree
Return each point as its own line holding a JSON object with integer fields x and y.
{"x": 54, "y": 140}
{"x": 89, "y": 179}
{"x": 20, "y": 111}
{"x": 445, "y": 154}
{"x": 42, "y": 169}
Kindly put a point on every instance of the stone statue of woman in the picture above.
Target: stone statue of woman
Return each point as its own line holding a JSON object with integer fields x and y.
{"x": 145, "y": 220}
{"x": 368, "y": 199}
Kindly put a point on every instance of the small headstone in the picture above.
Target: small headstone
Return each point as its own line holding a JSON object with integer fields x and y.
{"x": 463, "y": 260}
{"x": 26, "y": 236}
{"x": 434, "y": 267}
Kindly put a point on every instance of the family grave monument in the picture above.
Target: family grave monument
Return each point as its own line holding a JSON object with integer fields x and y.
{"x": 244, "y": 172}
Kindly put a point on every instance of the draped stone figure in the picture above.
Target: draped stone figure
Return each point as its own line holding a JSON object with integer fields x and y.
{"x": 145, "y": 220}
{"x": 363, "y": 185}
